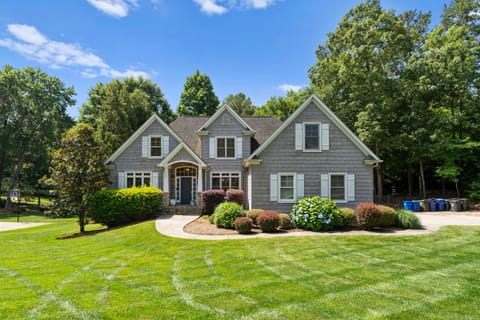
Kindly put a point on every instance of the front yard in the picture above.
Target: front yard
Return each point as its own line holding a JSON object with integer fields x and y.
{"x": 136, "y": 273}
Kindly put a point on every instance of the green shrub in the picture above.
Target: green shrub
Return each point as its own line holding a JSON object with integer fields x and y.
{"x": 243, "y": 225}
{"x": 226, "y": 213}
{"x": 285, "y": 221}
{"x": 388, "y": 216}
{"x": 408, "y": 220}
{"x": 316, "y": 213}
{"x": 268, "y": 221}
{"x": 368, "y": 215}
{"x": 347, "y": 216}
{"x": 253, "y": 214}
{"x": 113, "y": 207}
{"x": 474, "y": 191}
{"x": 211, "y": 199}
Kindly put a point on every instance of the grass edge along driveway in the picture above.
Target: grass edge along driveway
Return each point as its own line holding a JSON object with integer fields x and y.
{"x": 136, "y": 273}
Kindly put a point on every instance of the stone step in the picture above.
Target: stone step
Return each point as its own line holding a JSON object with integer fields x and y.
{"x": 182, "y": 210}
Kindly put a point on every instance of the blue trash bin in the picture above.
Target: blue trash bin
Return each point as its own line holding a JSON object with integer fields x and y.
{"x": 433, "y": 205}
{"x": 408, "y": 205}
{"x": 441, "y": 204}
{"x": 415, "y": 206}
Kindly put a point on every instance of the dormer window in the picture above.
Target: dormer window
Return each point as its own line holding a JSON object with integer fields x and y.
{"x": 226, "y": 148}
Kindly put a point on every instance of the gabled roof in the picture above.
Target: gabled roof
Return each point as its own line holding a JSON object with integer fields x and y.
{"x": 187, "y": 126}
{"x": 139, "y": 132}
{"x": 177, "y": 150}
{"x": 219, "y": 112}
{"x": 330, "y": 115}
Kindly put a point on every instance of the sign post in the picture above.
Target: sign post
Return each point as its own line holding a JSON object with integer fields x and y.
{"x": 15, "y": 196}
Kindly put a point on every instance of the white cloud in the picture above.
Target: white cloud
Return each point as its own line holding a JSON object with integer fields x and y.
{"x": 289, "y": 87}
{"x": 35, "y": 46}
{"x": 258, "y": 4}
{"x": 115, "y": 8}
{"x": 210, "y": 7}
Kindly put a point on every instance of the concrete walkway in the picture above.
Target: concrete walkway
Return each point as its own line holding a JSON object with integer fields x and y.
{"x": 172, "y": 226}
{"x": 7, "y": 226}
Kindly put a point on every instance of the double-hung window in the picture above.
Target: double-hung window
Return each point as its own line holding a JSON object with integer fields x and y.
{"x": 155, "y": 146}
{"x": 287, "y": 187}
{"x": 312, "y": 136}
{"x": 226, "y": 147}
{"x": 337, "y": 187}
{"x": 225, "y": 180}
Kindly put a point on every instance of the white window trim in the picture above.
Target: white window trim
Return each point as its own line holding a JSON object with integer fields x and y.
{"x": 319, "y": 124}
{"x": 234, "y": 148}
{"x": 150, "y": 146}
{"x": 143, "y": 178}
{"x": 289, "y": 174}
{"x": 230, "y": 176}
{"x": 344, "y": 174}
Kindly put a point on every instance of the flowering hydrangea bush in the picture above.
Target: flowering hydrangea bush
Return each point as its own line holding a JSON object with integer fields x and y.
{"x": 316, "y": 213}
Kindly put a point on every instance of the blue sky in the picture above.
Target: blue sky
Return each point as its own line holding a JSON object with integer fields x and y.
{"x": 258, "y": 47}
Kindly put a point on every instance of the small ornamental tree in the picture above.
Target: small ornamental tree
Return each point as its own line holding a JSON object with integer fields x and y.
{"x": 76, "y": 172}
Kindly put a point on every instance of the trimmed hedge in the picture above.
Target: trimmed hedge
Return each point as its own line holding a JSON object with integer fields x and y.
{"x": 114, "y": 207}
{"x": 235, "y": 195}
{"x": 389, "y": 216}
{"x": 211, "y": 199}
{"x": 243, "y": 225}
{"x": 226, "y": 213}
{"x": 369, "y": 215}
{"x": 268, "y": 221}
{"x": 253, "y": 214}
{"x": 408, "y": 220}
{"x": 285, "y": 221}
{"x": 348, "y": 215}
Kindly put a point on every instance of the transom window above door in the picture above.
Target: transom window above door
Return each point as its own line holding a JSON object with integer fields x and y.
{"x": 226, "y": 148}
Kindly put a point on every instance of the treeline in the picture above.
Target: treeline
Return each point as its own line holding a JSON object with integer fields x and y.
{"x": 409, "y": 90}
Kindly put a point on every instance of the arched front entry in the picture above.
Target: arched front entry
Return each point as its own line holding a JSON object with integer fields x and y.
{"x": 185, "y": 184}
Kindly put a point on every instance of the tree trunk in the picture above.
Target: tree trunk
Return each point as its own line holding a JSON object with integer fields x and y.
{"x": 15, "y": 176}
{"x": 410, "y": 182}
{"x": 379, "y": 177}
{"x": 423, "y": 192}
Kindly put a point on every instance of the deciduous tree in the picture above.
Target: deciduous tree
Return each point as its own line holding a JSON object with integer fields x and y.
{"x": 198, "y": 97}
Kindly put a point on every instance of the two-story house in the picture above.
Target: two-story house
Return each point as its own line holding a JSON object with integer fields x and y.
{"x": 311, "y": 153}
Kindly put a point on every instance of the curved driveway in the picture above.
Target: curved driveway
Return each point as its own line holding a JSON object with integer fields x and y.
{"x": 173, "y": 226}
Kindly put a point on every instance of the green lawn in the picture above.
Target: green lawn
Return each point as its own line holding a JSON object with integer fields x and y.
{"x": 135, "y": 273}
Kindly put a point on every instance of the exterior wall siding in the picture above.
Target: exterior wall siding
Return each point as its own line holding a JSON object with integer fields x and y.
{"x": 217, "y": 129}
{"x": 131, "y": 159}
{"x": 280, "y": 156}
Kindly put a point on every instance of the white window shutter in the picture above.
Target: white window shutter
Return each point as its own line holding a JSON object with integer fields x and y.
{"x": 325, "y": 136}
{"x": 238, "y": 147}
{"x": 298, "y": 136}
{"x": 155, "y": 179}
{"x": 145, "y": 146}
{"x": 300, "y": 186}
{"x": 273, "y": 187}
{"x": 165, "y": 145}
{"x": 121, "y": 180}
{"x": 350, "y": 187}
{"x": 212, "y": 147}
{"x": 324, "y": 186}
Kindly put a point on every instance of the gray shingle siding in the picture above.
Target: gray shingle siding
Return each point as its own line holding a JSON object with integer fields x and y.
{"x": 280, "y": 156}
{"x": 217, "y": 129}
{"x": 131, "y": 159}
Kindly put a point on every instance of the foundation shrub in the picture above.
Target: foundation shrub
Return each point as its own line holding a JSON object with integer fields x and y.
{"x": 243, "y": 225}
{"x": 211, "y": 199}
{"x": 348, "y": 215}
{"x": 235, "y": 195}
{"x": 253, "y": 214}
{"x": 389, "y": 216}
{"x": 316, "y": 213}
{"x": 408, "y": 220}
{"x": 369, "y": 215}
{"x": 226, "y": 213}
{"x": 114, "y": 207}
{"x": 285, "y": 221}
{"x": 268, "y": 221}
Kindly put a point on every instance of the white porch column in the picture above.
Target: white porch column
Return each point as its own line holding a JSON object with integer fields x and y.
{"x": 166, "y": 184}
{"x": 199, "y": 179}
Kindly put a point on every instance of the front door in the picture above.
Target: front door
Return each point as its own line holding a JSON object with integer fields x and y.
{"x": 186, "y": 190}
